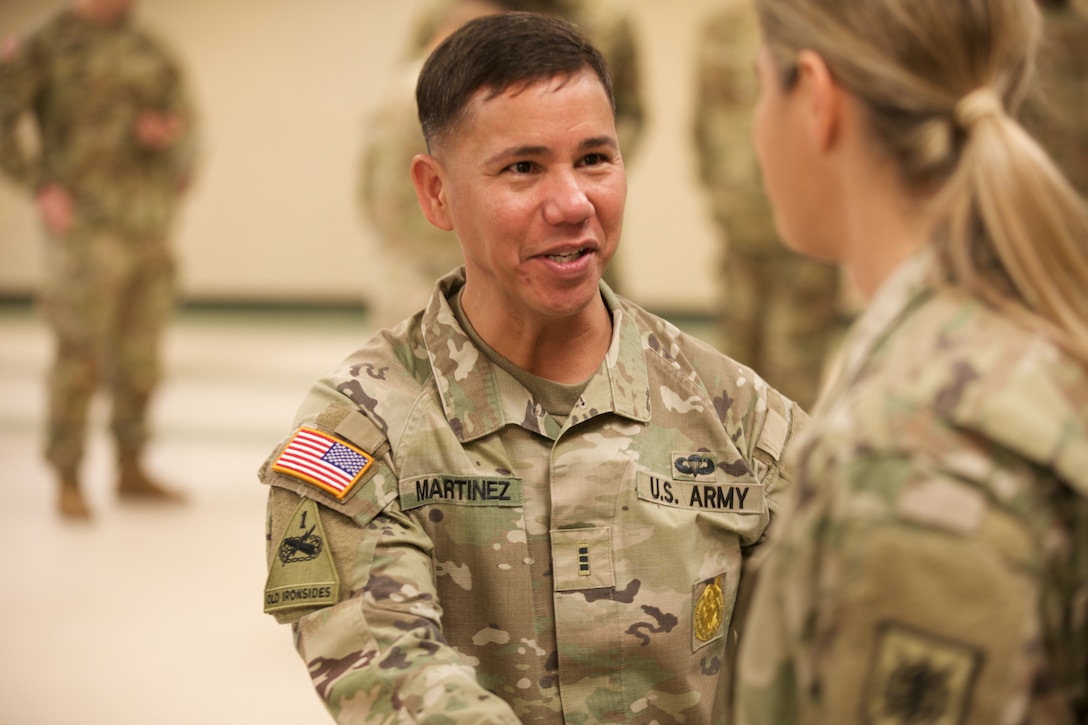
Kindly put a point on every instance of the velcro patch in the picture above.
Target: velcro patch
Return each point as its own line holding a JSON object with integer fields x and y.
{"x": 919, "y": 677}
{"x": 461, "y": 491}
{"x": 331, "y": 464}
{"x": 302, "y": 573}
{"x": 582, "y": 559}
{"x": 691, "y": 465}
{"x": 773, "y": 436}
{"x": 734, "y": 498}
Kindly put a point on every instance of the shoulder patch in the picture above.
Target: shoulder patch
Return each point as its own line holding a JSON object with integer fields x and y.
{"x": 920, "y": 677}
{"x": 302, "y": 573}
{"x": 331, "y": 464}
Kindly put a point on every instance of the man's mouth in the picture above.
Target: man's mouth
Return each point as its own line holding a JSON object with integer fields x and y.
{"x": 569, "y": 256}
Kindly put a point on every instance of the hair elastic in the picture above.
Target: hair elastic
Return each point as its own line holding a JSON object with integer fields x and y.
{"x": 977, "y": 105}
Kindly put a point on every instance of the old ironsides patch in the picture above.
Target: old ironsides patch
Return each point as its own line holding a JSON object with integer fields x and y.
{"x": 302, "y": 573}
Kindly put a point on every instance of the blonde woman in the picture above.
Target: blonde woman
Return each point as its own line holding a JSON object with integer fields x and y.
{"x": 934, "y": 568}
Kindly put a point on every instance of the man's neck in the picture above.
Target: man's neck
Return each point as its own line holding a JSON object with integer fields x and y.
{"x": 566, "y": 350}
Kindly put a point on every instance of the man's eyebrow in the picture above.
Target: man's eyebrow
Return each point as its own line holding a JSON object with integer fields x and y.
{"x": 519, "y": 151}
{"x": 597, "y": 142}
{"x": 528, "y": 151}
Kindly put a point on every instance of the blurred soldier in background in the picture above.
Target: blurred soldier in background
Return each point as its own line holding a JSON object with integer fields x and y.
{"x": 780, "y": 312}
{"x": 1057, "y": 111}
{"x": 109, "y": 150}
{"x": 413, "y": 253}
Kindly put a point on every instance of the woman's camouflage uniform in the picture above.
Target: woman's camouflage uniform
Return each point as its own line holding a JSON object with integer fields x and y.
{"x": 935, "y": 569}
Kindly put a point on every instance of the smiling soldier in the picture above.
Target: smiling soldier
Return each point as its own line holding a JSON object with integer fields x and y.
{"x": 532, "y": 500}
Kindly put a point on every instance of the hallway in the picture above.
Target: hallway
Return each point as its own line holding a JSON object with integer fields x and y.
{"x": 152, "y": 616}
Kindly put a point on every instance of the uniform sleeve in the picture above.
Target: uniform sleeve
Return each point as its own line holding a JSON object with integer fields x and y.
{"x": 894, "y": 596}
{"x": 177, "y": 99}
{"x": 20, "y": 78}
{"x": 780, "y": 430}
{"x": 356, "y": 580}
{"x": 185, "y": 153}
{"x": 378, "y": 655}
{"x": 780, "y": 427}
{"x": 933, "y": 625}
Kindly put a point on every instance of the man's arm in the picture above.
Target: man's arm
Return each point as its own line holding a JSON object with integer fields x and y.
{"x": 780, "y": 425}
{"x": 378, "y": 655}
{"x": 20, "y": 79}
{"x": 20, "y": 82}
{"x": 355, "y": 578}
{"x": 168, "y": 125}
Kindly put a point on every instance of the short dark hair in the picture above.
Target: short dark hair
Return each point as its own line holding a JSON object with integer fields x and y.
{"x": 498, "y": 52}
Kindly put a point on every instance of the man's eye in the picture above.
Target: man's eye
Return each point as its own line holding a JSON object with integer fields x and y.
{"x": 593, "y": 159}
{"x": 522, "y": 167}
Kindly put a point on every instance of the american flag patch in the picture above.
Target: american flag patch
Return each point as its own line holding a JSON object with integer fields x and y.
{"x": 324, "y": 461}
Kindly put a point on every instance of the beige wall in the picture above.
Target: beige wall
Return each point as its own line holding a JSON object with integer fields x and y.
{"x": 284, "y": 87}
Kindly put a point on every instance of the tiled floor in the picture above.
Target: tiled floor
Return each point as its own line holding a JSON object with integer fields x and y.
{"x": 153, "y": 616}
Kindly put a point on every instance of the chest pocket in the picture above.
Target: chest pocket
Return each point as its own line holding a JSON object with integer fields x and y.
{"x": 742, "y": 498}
{"x": 726, "y": 493}
{"x": 701, "y": 481}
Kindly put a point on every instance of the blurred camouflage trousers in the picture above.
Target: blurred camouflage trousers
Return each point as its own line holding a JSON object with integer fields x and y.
{"x": 107, "y": 298}
{"x": 780, "y": 316}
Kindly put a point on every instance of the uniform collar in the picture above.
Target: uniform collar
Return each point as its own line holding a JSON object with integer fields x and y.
{"x": 479, "y": 398}
{"x": 912, "y": 283}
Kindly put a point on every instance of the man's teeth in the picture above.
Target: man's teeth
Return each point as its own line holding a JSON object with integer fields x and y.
{"x": 566, "y": 257}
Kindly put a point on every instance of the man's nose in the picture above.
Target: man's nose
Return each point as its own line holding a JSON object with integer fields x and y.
{"x": 567, "y": 201}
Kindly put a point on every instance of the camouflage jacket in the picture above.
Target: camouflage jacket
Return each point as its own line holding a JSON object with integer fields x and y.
{"x": 933, "y": 567}
{"x": 83, "y": 85}
{"x": 475, "y": 560}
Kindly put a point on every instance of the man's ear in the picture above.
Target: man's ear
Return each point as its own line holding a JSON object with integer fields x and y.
{"x": 429, "y": 178}
{"x": 824, "y": 100}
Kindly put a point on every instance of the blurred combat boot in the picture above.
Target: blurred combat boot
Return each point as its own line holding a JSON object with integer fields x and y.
{"x": 70, "y": 502}
{"x": 134, "y": 485}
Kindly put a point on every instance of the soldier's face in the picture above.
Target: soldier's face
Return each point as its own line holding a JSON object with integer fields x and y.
{"x": 535, "y": 187}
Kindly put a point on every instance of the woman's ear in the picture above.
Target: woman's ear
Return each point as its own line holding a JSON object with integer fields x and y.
{"x": 429, "y": 178}
{"x": 823, "y": 99}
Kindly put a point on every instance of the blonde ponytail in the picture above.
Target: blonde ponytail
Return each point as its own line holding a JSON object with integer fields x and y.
{"x": 941, "y": 81}
{"x": 1008, "y": 203}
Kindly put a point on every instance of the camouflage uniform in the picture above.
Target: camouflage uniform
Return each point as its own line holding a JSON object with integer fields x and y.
{"x": 109, "y": 281}
{"x": 780, "y": 311}
{"x": 935, "y": 567}
{"x": 1057, "y": 111}
{"x": 412, "y": 251}
{"x": 494, "y": 561}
